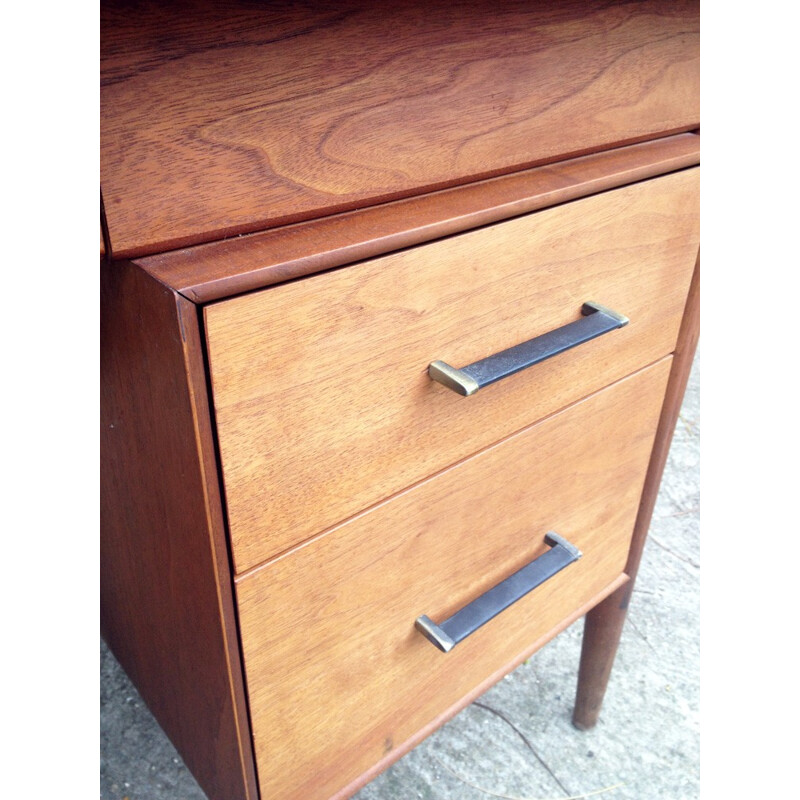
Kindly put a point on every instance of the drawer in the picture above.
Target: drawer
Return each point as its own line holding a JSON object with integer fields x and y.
{"x": 337, "y": 674}
{"x": 323, "y": 402}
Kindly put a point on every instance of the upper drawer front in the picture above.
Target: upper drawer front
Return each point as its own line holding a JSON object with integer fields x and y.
{"x": 337, "y": 674}
{"x": 323, "y": 401}
{"x": 241, "y": 115}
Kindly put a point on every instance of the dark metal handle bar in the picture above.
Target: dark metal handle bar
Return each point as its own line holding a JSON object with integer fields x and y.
{"x": 466, "y": 621}
{"x": 596, "y": 321}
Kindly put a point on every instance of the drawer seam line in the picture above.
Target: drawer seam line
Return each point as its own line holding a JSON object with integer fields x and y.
{"x": 238, "y": 577}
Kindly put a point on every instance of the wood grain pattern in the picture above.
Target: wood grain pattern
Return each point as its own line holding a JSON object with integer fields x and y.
{"x": 220, "y": 119}
{"x": 684, "y": 352}
{"x": 233, "y": 266}
{"x": 336, "y": 671}
{"x": 322, "y": 398}
{"x": 420, "y": 735}
{"x": 166, "y": 598}
{"x": 604, "y": 624}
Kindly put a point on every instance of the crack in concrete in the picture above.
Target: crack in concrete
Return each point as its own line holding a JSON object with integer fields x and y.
{"x": 527, "y": 742}
{"x": 678, "y": 556}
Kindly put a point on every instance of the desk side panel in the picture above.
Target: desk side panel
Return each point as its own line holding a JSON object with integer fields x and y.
{"x": 166, "y": 602}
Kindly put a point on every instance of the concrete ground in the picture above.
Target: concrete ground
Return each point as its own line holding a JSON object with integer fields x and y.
{"x": 517, "y": 740}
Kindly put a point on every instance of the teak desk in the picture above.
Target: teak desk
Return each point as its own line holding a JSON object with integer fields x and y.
{"x": 398, "y": 307}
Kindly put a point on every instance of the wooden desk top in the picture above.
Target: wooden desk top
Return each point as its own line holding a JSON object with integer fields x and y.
{"x": 222, "y": 119}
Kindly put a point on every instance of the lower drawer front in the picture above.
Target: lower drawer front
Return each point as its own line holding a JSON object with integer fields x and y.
{"x": 337, "y": 675}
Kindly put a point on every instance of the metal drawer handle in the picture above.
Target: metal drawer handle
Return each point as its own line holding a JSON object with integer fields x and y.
{"x": 466, "y": 621}
{"x": 596, "y": 321}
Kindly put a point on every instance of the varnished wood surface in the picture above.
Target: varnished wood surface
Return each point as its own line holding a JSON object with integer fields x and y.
{"x": 219, "y": 119}
{"x": 474, "y": 694}
{"x": 322, "y": 398}
{"x": 233, "y": 266}
{"x": 685, "y": 349}
{"x": 337, "y": 673}
{"x": 166, "y": 598}
{"x": 604, "y": 624}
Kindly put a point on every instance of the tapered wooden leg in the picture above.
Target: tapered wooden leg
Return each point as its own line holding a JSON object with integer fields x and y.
{"x": 604, "y": 622}
{"x": 601, "y": 635}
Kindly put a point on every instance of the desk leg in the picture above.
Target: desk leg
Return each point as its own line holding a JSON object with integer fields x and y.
{"x": 604, "y": 622}
{"x": 601, "y": 634}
